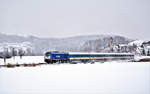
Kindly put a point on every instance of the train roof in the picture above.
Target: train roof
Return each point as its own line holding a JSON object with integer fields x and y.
{"x": 86, "y": 53}
{"x": 56, "y": 52}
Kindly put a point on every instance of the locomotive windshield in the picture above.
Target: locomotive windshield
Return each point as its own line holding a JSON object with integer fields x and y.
{"x": 47, "y": 54}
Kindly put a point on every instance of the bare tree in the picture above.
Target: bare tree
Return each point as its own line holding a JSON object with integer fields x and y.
{"x": 21, "y": 53}
{"x": 6, "y": 55}
{"x": 14, "y": 52}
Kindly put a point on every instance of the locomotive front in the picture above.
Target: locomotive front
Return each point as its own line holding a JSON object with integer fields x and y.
{"x": 56, "y": 56}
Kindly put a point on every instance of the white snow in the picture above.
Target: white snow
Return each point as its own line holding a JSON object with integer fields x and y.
{"x": 24, "y": 60}
{"x": 99, "y": 78}
{"x": 138, "y": 58}
{"x": 137, "y": 43}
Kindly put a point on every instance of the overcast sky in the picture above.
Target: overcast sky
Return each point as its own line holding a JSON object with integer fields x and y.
{"x": 64, "y": 18}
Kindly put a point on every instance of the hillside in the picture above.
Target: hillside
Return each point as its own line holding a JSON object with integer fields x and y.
{"x": 78, "y": 43}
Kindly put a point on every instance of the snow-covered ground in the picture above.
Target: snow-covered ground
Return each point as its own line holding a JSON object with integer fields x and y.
{"x": 99, "y": 78}
{"x": 138, "y": 58}
{"x": 24, "y": 60}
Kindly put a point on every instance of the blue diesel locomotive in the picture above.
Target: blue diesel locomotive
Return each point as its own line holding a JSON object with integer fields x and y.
{"x": 56, "y": 56}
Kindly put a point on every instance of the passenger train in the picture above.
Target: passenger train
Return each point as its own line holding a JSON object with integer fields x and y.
{"x": 56, "y": 56}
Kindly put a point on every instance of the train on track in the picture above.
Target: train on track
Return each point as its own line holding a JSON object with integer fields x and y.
{"x": 70, "y": 57}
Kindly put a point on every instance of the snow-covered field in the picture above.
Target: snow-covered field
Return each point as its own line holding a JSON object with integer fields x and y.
{"x": 99, "y": 78}
{"x": 25, "y": 59}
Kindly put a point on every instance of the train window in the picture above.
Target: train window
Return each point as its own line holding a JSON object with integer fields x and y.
{"x": 47, "y": 53}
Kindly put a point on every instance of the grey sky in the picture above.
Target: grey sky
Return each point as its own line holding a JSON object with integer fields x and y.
{"x": 64, "y": 18}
